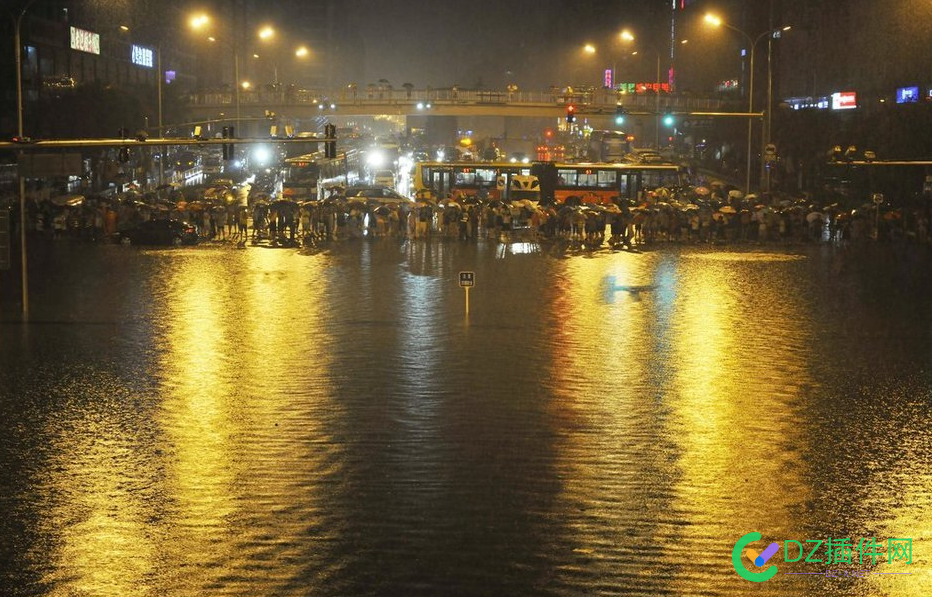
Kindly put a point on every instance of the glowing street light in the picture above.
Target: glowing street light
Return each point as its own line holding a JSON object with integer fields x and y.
{"x": 626, "y": 35}
{"x": 589, "y": 49}
{"x": 266, "y": 33}
{"x": 302, "y": 52}
{"x": 199, "y": 21}
{"x": 246, "y": 84}
{"x": 715, "y": 21}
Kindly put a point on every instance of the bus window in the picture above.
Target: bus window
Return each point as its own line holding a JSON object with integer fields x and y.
{"x": 587, "y": 178}
{"x": 486, "y": 177}
{"x": 650, "y": 180}
{"x": 623, "y": 185}
{"x": 465, "y": 178}
{"x": 567, "y": 178}
{"x": 607, "y": 179}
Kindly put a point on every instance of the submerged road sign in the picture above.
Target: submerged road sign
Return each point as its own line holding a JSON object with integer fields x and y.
{"x": 467, "y": 279}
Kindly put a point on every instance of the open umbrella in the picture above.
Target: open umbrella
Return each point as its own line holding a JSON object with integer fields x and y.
{"x": 727, "y": 209}
{"x": 68, "y": 200}
{"x": 813, "y": 217}
{"x": 735, "y": 194}
{"x": 573, "y": 201}
{"x": 703, "y": 191}
{"x": 892, "y": 215}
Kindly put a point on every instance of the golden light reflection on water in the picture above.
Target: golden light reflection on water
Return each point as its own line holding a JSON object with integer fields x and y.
{"x": 672, "y": 377}
{"x": 600, "y": 372}
{"x": 735, "y": 409}
{"x": 100, "y": 514}
{"x": 198, "y": 416}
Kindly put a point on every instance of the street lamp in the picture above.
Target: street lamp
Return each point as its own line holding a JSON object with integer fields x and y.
{"x": 752, "y": 42}
{"x": 629, "y": 37}
{"x": 202, "y": 20}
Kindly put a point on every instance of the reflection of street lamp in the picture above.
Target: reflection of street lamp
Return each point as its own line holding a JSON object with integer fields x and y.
{"x": 717, "y": 22}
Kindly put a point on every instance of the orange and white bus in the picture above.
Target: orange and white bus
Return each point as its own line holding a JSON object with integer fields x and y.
{"x": 591, "y": 182}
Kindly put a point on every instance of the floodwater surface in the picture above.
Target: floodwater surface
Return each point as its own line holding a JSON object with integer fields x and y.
{"x": 207, "y": 420}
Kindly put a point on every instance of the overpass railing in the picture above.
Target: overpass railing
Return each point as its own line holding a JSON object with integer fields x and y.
{"x": 601, "y": 98}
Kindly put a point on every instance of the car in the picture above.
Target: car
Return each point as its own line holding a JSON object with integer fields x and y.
{"x": 161, "y": 232}
{"x": 384, "y": 178}
{"x": 375, "y": 192}
{"x": 645, "y": 156}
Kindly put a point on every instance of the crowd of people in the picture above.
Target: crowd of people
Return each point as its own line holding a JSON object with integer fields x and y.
{"x": 660, "y": 216}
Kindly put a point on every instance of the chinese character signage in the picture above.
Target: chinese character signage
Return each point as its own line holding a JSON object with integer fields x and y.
{"x": 141, "y": 56}
{"x": 643, "y": 87}
{"x": 85, "y": 41}
{"x": 608, "y": 78}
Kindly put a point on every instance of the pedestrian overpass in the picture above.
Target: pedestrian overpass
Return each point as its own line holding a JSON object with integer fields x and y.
{"x": 304, "y": 104}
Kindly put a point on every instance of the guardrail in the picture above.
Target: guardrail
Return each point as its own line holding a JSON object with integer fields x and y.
{"x": 602, "y": 98}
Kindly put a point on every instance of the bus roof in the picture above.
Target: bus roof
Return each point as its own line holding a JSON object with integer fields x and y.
{"x": 564, "y": 165}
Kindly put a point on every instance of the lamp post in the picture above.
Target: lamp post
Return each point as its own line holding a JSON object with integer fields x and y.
{"x": 202, "y": 20}
{"x": 752, "y": 42}
{"x": 627, "y": 36}
{"x": 657, "y": 91}
{"x": 22, "y": 179}
{"x": 158, "y": 87}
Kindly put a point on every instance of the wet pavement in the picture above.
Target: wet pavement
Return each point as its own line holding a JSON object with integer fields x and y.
{"x": 261, "y": 421}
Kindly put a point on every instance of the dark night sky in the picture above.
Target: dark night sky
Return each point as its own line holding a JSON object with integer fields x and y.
{"x": 442, "y": 42}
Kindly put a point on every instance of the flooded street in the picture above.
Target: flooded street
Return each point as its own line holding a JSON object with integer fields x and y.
{"x": 277, "y": 422}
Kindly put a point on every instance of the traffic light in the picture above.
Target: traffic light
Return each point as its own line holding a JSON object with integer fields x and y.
{"x": 668, "y": 119}
{"x": 620, "y": 114}
{"x": 229, "y": 132}
{"x": 330, "y": 147}
{"x": 571, "y": 113}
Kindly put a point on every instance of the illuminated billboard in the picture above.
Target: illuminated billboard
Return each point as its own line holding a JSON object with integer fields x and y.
{"x": 907, "y": 95}
{"x": 141, "y": 56}
{"x": 85, "y": 41}
{"x": 844, "y": 100}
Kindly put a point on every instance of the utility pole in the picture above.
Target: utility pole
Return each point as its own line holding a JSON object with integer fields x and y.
{"x": 17, "y": 39}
